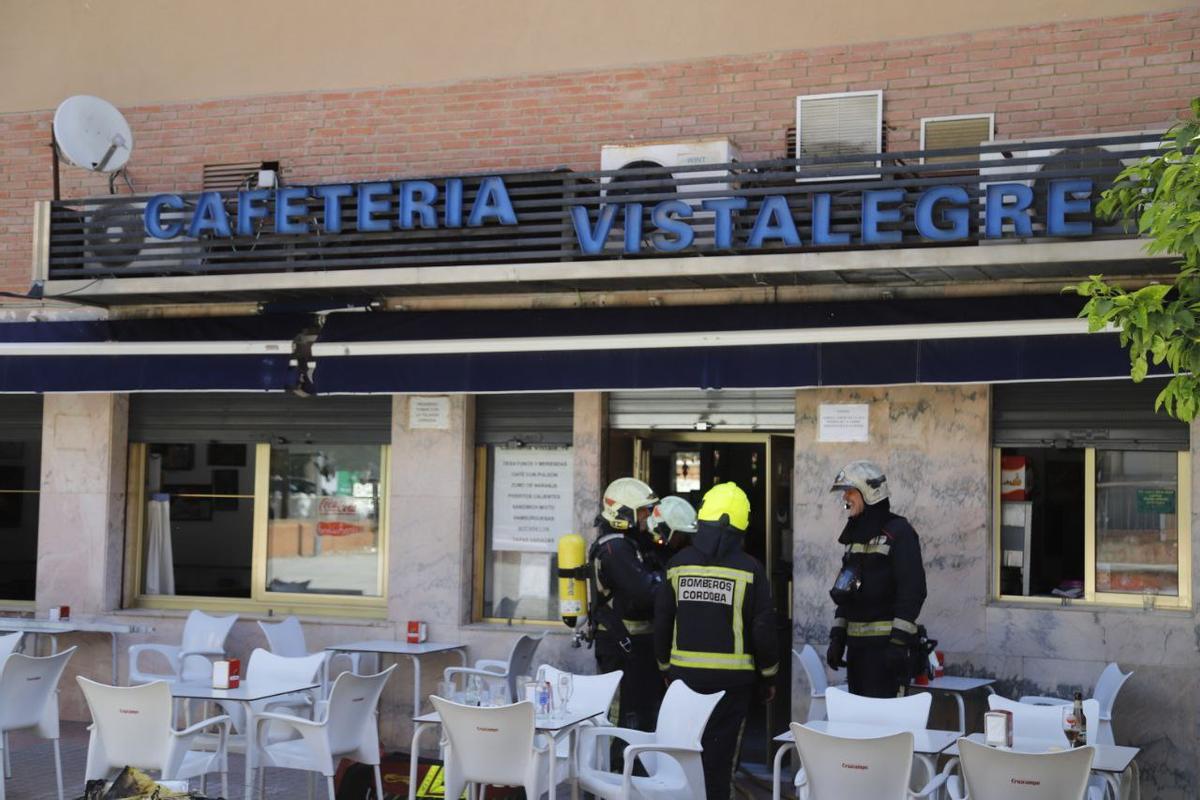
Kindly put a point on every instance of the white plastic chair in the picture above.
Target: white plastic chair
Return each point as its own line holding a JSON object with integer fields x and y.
{"x": 286, "y": 638}
{"x": 265, "y": 667}
{"x": 520, "y": 662}
{"x": 992, "y": 774}
{"x": 589, "y": 693}
{"x": 840, "y": 768}
{"x": 889, "y": 714}
{"x": 814, "y": 670}
{"x": 131, "y": 726}
{"x": 10, "y": 643}
{"x": 1107, "y": 686}
{"x": 1042, "y": 723}
{"x": 491, "y": 747}
{"x": 203, "y": 639}
{"x": 345, "y": 727}
{"x": 670, "y": 755}
{"x": 29, "y": 701}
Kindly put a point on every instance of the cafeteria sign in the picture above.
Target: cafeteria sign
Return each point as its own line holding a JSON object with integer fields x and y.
{"x": 1156, "y": 501}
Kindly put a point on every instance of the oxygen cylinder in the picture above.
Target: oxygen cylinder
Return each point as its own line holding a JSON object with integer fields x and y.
{"x": 572, "y": 589}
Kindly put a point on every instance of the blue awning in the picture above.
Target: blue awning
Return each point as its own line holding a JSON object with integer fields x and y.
{"x": 728, "y": 347}
{"x": 251, "y": 353}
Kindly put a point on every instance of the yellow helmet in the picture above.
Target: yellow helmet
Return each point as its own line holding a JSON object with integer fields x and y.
{"x": 729, "y": 501}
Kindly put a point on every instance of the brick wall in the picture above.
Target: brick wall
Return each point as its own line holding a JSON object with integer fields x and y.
{"x": 1113, "y": 74}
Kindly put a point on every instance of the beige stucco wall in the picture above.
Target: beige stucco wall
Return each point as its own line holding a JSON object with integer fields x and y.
{"x": 143, "y": 51}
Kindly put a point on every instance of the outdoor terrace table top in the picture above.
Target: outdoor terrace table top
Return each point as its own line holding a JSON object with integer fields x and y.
{"x": 247, "y": 692}
{"x": 390, "y": 647}
{"x": 548, "y": 724}
{"x": 1109, "y": 757}
{"x": 925, "y": 742}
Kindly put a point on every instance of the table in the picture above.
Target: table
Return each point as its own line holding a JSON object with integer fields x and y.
{"x": 927, "y": 744}
{"x": 245, "y": 694}
{"x": 53, "y": 629}
{"x": 957, "y": 687}
{"x": 412, "y": 651}
{"x": 1110, "y": 760}
{"x": 554, "y": 727}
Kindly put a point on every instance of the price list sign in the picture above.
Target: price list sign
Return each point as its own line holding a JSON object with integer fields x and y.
{"x": 532, "y": 498}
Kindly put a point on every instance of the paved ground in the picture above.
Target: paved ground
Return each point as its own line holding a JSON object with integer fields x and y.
{"x": 33, "y": 772}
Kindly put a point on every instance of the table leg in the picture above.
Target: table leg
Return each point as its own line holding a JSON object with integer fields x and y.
{"x": 416, "y": 662}
{"x": 962, "y": 713}
{"x": 418, "y": 729}
{"x": 572, "y": 773}
{"x": 251, "y": 744}
{"x": 552, "y": 786}
{"x": 777, "y": 772}
{"x": 53, "y": 644}
{"x": 116, "y": 679}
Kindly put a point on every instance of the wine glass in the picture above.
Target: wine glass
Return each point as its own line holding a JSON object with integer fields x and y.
{"x": 566, "y": 685}
{"x": 1070, "y": 726}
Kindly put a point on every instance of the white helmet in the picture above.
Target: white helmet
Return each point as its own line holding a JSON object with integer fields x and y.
{"x": 622, "y": 499}
{"x": 673, "y": 514}
{"x": 867, "y": 477}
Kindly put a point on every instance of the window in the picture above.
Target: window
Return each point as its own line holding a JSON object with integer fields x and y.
{"x": 20, "y": 488}
{"x": 1106, "y": 526}
{"x": 524, "y": 501}
{"x": 1091, "y": 496}
{"x": 274, "y": 502}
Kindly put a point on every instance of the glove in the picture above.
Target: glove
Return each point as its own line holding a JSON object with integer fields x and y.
{"x": 897, "y": 661}
{"x": 835, "y": 655}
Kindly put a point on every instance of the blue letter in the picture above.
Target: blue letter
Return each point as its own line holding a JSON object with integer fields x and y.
{"x": 822, "y": 222}
{"x": 872, "y": 215}
{"x": 332, "y": 195}
{"x": 591, "y": 241}
{"x": 417, "y": 197}
{"x": 286, "y": 207}
{"x": 774, "y": 220}
{"x": 956, "y": 215}
{"x": 368, "y": 204}
{"x": 454, "y": 203}
{"x": 210, "y": 215}
{"x": 252, "y": 205}
{"x": 1059, "y": 203}
{"x": 723, "y": 219}
{"x": 492, "y": 199}
{"x": 153, "y": 216}
{"x": 1018, "y": 212}
{"x": 633, "y": 227}
{"x": 661, "y": 216}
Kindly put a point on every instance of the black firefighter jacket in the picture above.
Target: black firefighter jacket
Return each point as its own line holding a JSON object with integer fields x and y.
{"x": 885, "y": 608}
{"x": 714, "y": 623}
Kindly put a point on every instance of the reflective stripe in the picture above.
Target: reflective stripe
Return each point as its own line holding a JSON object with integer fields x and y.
{"x": 882, "y": 628}
{"x": 636, "y": 627}
{"x": 711, "y": 572}
{"x": 694, "y": 660}
{"x": 771, "y": 671}
{"x": 871, "y": 549}
{"x": 664, "y": 666}
{"x": 904, "y": 625}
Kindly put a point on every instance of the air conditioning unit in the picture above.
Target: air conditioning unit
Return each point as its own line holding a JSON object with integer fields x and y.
{"x": 700, "y": 185}
{"x": 997, "y": 166}
{"x": 841, "y": 124}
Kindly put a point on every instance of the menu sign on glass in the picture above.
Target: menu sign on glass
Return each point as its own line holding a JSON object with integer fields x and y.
{"x": 532, "y": 498}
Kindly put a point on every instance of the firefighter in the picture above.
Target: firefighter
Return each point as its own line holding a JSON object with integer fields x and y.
{"x": 623, "y": 591}
{"x": 714, "y": 628}
{"x": 671, "y": 524}
{"x": 879, "y": 590}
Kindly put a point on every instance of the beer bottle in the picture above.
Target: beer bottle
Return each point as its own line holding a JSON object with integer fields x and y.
{"x": 1080, "y": 738}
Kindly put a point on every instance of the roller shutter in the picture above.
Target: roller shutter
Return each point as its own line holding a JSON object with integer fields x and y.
{"x": 534, "y": 419}
{"x": 21, "y": 418}
{"x": 1110, "y": 415}
{"x": 686, "y": 409}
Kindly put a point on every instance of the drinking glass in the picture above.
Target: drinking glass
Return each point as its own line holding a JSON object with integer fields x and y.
{"x": 445, "y": 689}
{"x": 1069, "y": 727}
{"x": 566, "y": 686}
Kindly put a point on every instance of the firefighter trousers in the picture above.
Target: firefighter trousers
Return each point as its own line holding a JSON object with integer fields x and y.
{"x": 722, "y": 740}
{"x": 868, "y": 674}
{"x": 641, "y": 690}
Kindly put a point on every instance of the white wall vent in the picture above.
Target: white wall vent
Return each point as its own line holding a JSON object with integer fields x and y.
{"x": 843, "y": 124}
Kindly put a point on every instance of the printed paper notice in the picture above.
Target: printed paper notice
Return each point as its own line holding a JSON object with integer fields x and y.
{"x": 843, "y": 422}
{"x": 532, "y": 498}
{"x": 431, "y": 413}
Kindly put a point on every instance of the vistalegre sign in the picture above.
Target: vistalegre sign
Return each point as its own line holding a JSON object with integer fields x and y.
{"x": 940, "y": 214}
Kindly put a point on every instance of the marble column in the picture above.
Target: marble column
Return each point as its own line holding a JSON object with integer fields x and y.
{"x": 587, "y": 442}
{"x": 82, "y": 502}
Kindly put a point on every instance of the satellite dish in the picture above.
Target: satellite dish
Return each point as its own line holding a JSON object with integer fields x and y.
{"x": 92, "y": 134}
